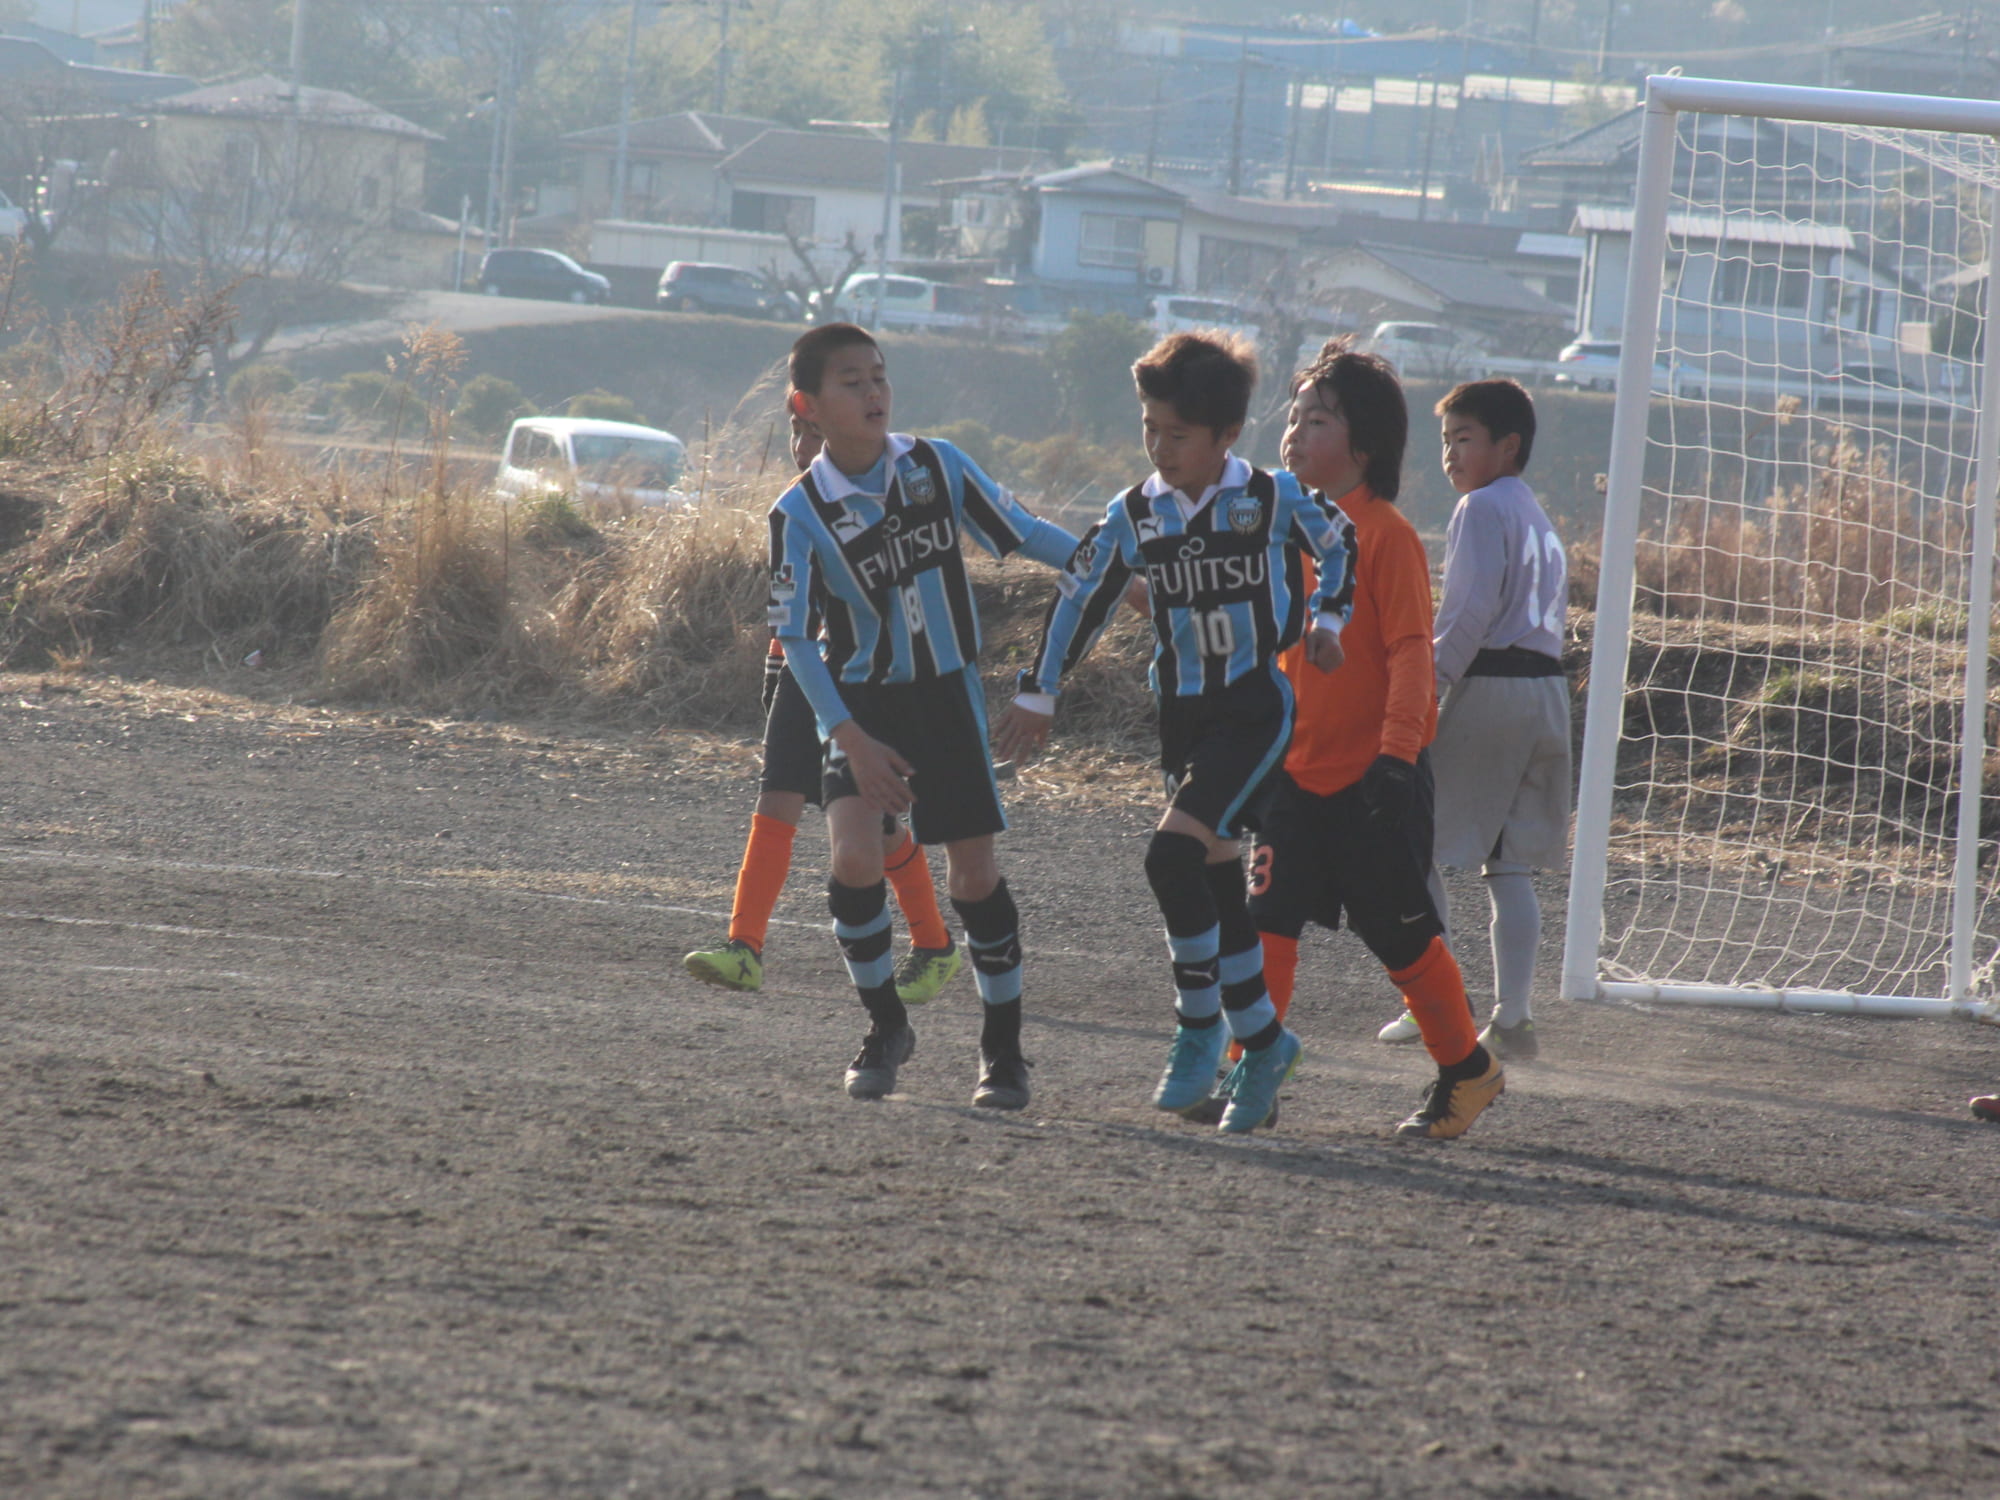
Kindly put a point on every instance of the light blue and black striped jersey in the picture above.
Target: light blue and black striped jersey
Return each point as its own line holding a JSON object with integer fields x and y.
{"x": 882, "y": 558}
{"x": 1225, "y": 575}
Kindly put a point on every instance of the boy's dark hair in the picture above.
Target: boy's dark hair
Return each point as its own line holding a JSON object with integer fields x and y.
{"x": 1500, "y": 406}
{"x": 813, "y": 348}
{"x": 1206, "y": 377}
{"x": 1370, "y": 398}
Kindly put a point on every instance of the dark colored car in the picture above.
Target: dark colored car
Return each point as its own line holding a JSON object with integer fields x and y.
{"x": 547, "y": 274}
{"x": 699, "y": 286}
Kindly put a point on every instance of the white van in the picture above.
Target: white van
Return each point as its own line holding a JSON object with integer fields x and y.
{"x": 614, "y": 465}
{"x": 908, "y": 302}
{"x": 1177, "y": 314}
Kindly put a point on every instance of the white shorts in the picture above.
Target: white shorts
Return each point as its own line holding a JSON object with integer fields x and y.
{"x": 1502, "y": 761}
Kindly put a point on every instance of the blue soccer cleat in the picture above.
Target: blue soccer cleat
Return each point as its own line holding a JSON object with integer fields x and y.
{"x": 1191, "y": 1063}
{"x": 1254, "y": 1085}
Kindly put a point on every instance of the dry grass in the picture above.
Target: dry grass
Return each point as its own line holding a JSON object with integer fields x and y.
{"x": 1857, "y": 543}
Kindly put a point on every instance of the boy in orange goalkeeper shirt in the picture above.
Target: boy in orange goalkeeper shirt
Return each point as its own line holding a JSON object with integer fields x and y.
{"x": 1347, "y": 824}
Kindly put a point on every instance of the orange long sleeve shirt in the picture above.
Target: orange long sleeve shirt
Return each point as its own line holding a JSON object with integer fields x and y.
{"x": 1381, "y": 700}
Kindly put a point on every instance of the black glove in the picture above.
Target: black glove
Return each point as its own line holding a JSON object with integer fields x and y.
{"x": 1389, "y": 789}
{"x": 774, "y": 671}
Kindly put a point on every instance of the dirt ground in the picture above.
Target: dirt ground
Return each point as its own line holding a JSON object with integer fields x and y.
{"x": 363, "y": 1137}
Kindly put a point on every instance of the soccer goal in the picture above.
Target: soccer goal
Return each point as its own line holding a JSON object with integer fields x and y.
{"x": 1786, "y": 725}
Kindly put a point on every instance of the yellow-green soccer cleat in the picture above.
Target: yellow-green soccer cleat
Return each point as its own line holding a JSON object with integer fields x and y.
{"x": 1454, "y": 1103}
{"x": 925, "y": 971}
{"x": 733, "y": 966}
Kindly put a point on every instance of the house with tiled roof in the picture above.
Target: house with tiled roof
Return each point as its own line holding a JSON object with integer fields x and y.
{"x": 254, "y": 160}
{"x": 670, "y": 166}
{"x": 828, "y": 186}
{"x": 1361, "y": 284}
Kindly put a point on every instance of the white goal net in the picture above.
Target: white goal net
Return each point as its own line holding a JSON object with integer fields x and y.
{"x": 1781, "y": 784}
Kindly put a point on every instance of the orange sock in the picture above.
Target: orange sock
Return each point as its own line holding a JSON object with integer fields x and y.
{"x": 1434, "y": 990}
{"x": 910, "y": 873}
{"x": 1281, "y": 969}
{"x": 767, "y": 860}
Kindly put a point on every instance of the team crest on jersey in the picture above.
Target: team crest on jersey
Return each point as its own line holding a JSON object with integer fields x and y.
{"x": 919, "y": 486}
{"x": 1246, "y": 513}
{"x": 1084, "y": 558}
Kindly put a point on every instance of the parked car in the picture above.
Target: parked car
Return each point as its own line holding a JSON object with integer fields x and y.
{"x": 1592, "y": 365}
{"x": 1177, "y": 314}
{"x": 1426, "y": 351}
{"x": 1589, "y": 364}
{"x": 547, "y": 274}
{"x": 614, "y": 465}
{"x": 702, "y": 286}
{"x": 906, "y": 301}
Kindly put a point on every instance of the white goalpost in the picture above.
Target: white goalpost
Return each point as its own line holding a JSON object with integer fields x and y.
{"x": 1786, "y": 722}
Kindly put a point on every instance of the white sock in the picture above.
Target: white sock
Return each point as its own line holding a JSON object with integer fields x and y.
{"x": 1516, "y": 931}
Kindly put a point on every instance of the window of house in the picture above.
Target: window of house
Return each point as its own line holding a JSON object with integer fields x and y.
{"x": 1226, "y": 265}
{"x": 1117, "y": 240}
{"x": 239, "y": 158}
{"x": 1767, "y": 278}
{"x": 771, "y": 213}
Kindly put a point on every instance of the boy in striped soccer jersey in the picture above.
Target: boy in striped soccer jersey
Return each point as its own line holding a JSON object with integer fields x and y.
{"x": 872, "y": 538}
{"x": 791, "y": 779}
{"x": 1218, "y": 543}
{"x": 1503, "y": 741}
{"x": 1347, "y": 827}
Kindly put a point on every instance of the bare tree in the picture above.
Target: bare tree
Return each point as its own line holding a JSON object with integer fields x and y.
{"x": 283, "y": 212}
{"x": 54, "y": 137}
{"x": 813, "y": 282}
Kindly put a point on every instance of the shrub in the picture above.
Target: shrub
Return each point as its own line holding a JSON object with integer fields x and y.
{"x": 487, "y": 405}
{"x": 370, "y": 396}
{"x": 260, "y": 384}
{"x": 605, "y": 406}
{"x": 1091, "y": 360}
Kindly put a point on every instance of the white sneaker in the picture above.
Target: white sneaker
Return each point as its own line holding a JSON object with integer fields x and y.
{"x": 1402, "y": 1029}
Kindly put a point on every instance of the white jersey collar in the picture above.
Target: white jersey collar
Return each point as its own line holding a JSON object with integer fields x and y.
{"x": 836, "y": 486}
{"x": 1235, "y": 475}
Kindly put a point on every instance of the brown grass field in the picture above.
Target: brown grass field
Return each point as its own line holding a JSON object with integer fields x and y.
{"x": 365, "y": 1137}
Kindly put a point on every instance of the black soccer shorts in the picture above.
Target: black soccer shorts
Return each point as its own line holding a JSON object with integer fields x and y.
{"x": 1218, "y": 749}
{"x": 792, "y": 752}
{"x": 1317, "y": 857}
{"x": 939, "y": 726}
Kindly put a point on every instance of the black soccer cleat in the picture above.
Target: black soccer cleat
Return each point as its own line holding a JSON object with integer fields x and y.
{"x": 872, "y": 1074}
{"x": 1003, "y": 1080}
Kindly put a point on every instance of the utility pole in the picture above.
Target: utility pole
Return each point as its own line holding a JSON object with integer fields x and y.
{"x": 1153, "y": 126}
{"x": 1236, "y": 124}
{"x": 507, "y": 133}
{"x": 1295, "y": 98}
{"x": 722, "y": 63}
{"x": 294, "y": 126}
{"x": 500, "y": 159}
{"x": 1430, "y": 147}
{"x": 891, "y": 182}
{"x": 1604, "y": 37}
{"x": 621, "y": 164}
